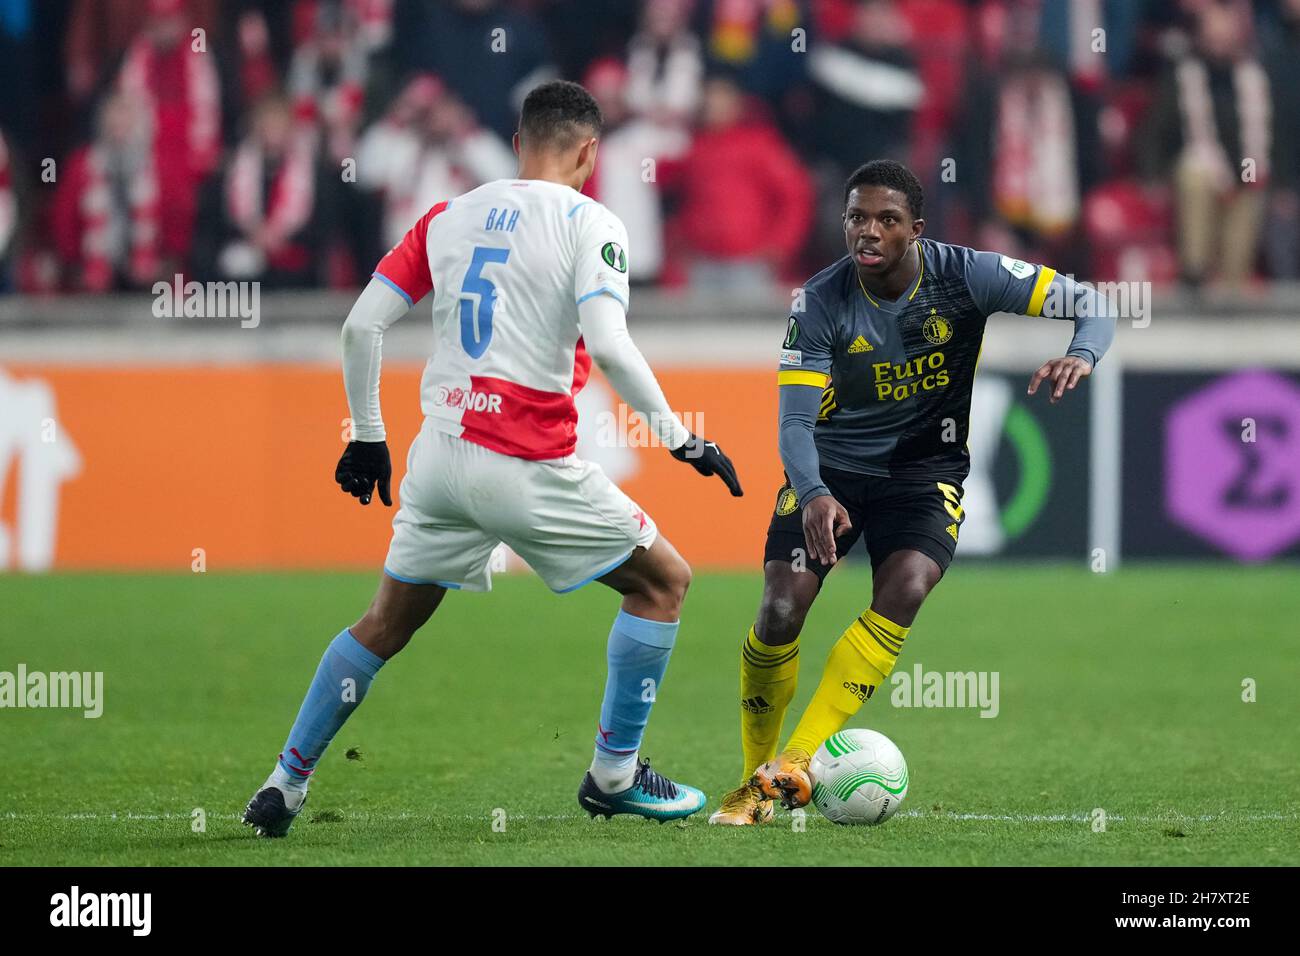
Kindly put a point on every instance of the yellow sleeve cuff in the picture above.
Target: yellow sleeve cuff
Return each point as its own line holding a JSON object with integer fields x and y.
{"x": 793, "y": 377}
{"x": 1045, "y": 277}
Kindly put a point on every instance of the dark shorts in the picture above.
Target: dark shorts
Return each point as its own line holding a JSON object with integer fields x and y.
{"x": 891, "y": 514}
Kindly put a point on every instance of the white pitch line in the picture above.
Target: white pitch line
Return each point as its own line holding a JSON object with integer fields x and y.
{"x": 356, "y": 816}
{"x": 1087, "y": 817}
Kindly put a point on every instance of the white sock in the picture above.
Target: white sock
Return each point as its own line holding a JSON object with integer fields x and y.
{"x": 613, "y": 773}
{"x": 293, "y": 787}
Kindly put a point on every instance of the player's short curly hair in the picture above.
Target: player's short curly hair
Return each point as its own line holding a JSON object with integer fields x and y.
{"x": 559, "y": 113}
{"x": 892, "y": 175}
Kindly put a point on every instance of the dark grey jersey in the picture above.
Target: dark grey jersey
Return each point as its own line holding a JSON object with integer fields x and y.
{"x": 895, "y": 377}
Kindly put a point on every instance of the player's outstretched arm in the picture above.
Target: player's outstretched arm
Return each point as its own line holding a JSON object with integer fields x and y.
{"x": 1094, "y": 330}
{"x": 824, "y": 518}
{"x": 1002, "y": 284}
{"x": 365, "y": 462}
{"x": 604, "y": 331}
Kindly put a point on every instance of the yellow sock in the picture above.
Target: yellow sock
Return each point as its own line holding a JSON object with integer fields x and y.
{"x": 767, "y": 681}
{"x": 859, "y": 663}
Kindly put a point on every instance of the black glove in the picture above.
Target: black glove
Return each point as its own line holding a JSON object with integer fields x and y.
{"x": 707, "y": 458}
{"x": 363, "y": 464}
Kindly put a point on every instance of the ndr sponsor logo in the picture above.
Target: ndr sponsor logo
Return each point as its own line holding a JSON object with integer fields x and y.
{"x": 468, "y": 399}
{"x": 75, "y": 908}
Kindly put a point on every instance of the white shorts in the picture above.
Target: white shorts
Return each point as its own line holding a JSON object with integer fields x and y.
{"x": 459, "y": 500}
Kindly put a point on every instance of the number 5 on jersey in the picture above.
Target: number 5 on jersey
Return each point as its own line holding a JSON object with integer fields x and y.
{"x": 478, "y": 299}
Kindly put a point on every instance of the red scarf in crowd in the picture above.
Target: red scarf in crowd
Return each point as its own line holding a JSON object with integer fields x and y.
{"x": 98, "y": 248}
{"x": 1035, "y": 178}
{"x": 288, "y": 206}
{"x": 143, "y": 76}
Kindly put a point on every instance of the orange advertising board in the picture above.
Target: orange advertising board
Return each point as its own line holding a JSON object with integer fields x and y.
{"x": 135, "y": 467}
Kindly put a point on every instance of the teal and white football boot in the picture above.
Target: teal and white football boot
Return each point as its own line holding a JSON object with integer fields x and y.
{"x": 652, "y": 795}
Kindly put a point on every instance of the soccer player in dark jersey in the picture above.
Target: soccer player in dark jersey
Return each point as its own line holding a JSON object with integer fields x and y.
{"x": 875, "y": 388}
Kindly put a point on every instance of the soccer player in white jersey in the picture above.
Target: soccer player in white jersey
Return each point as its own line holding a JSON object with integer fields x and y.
{"x": 528, "y": 279}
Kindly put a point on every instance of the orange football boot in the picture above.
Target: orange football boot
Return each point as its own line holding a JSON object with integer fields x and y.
{"x": 786, "y": 779}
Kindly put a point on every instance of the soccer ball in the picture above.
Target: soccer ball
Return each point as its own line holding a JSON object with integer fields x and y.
{"x": 858, "y": 776}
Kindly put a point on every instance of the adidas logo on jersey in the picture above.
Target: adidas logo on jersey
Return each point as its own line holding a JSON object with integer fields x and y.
{"x": 860, "y": 345}
{"x": 862, "y": 692}
{"x": 952, "y": 530}
{"x": 756, "y": 705}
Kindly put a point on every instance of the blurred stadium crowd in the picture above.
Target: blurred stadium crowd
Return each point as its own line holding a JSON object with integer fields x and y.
{"x": 294, "y": 141}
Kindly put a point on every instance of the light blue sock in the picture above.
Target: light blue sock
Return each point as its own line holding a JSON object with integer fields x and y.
{"x": 638, "y": 655}
{"x": 340, "y": 684}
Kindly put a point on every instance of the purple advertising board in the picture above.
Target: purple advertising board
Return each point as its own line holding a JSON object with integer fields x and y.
{"x": 1212, "y": 465}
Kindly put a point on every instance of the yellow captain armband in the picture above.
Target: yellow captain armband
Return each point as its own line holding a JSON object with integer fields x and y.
{"x": 1036, "y": 298}
{"x": 799, "y": 377}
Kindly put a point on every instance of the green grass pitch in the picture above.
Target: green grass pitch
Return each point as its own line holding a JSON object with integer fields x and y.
{"x": 1121, "y": 692}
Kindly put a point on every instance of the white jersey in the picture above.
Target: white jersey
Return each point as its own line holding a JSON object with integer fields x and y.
{"x": 509, "y": 263}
